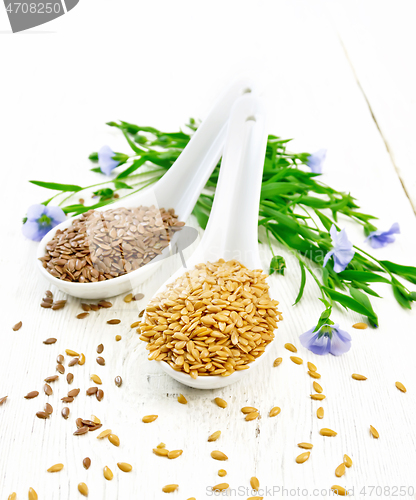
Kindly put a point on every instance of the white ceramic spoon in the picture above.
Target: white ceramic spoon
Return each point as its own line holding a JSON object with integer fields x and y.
{"x": 232, "y": 228}
{"x": 179, "y": 188}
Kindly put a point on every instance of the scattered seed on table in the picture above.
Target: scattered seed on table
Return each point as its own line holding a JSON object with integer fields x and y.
{"x": 135, "y": 324}
{"x": 141, "y": 313}
{"x": 374, "y": 432}
{"x": 99, "y": 394}
{"x": 222, "y": 472}
{"x": 65, "y": 412}
{"x": 291, "y": 348}
{"x": 128, "y": 298}
{"x": 118, "y": 338}
{"x": 118, "y": 381}
{"x": 60, "y": 368}
{"x": 317, "y": 387}
{"x": 305, "y": 446}
{"x": 49, "y": 341}
{"x": 357, "y": 376}
{"x": 47, "y": 390}
{"x": 296, "y": 360}
{"x": 12, "y": 496}
{"x": 218, "y": 455}
{"x": 170, "y": 488}
{"x": 220, "y": 487}
{"x": 83, "y": 489}
{"x": 327, "y": 432}
{"x": 60, "y": 359}
{"x": 100, "y": 361}
{"x": 100, "y": 348}
{"x": 42, "y": 414}
{"x": 174, "y": 454}
{"x": 17, "y": 326}
{"x": 32, "y": 394}
{"x": 70, "y": 352}
{"x": 69, "y": 378}
{"x": 113, "y": 321}
{"x": 94, "y": 307}
{"x": 3, "y": 400}
{"x": 220, "y": 402}
{"x": 85, "y": 307}
{"x": 149, "y": 418}
{"x": 401, "y": 387}
{"x": 340, "y": 470}
{"x": 318, "y": 397}
{"x": 161, "y": 445}
{"x": 160, "y": 452}
{"x": 360, "y": 326}
{"x": 48, "y": 409}
{"x": 320, "y": 412}
{"x": 96, "y": 379}
{"x": 314, "y": 374}
{"x": 67, "y": 399}
{"x": 45, "y": 305}
{"x": 82, "y": 430}
{"x": 254, "y": 483}
{"x": 105, "y": 303}
{"x": 311, "y": 367}
{"x": 277, "y": 361}
{"x": 104, "y": 434}
{"x": 95, "y": 419}
{"x": 274, "y": 411}
{"x": 248, "y": 409}
{"x": 300, "y": 459}
{"x": 214, "y": 436}
{"x": 59, "y": 304}
{"x": 82, "y": 315}
{"x": 91, "y": 391}
{"x": 81, "y": 360}
{"x": 55, "y": 468}
{"x": 114, "y": 439}
{"x": 78, "y": 422}
{"x": 108, "y": 474}
{"x": 252, "y": 416}
{"x": 73, "y": 393}
{"x": 339, "y": 490}
{"x": 138, "y": 296}
{"x": 48, "y": 293}
{"x": 73, "y": 362}
{"x": 182, "y": 399}
{"x": 51, "y": 378}
{"x": 347, "y": 461}
{"x": 125, "y": 467}
{"x": 32, "y": 494}
{"x": 86, "y": 462}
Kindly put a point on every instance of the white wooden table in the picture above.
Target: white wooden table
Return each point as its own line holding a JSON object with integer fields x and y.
{"x": 338, "y": 75}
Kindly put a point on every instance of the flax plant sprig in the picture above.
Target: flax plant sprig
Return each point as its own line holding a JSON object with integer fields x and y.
{"x": 298, "y": 212}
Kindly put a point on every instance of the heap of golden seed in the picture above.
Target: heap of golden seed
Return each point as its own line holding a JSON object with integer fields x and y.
{"x": 213, "y": 320}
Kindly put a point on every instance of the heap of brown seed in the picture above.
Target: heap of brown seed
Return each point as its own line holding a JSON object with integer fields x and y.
{"x": 103, "y": 245}
{"x": 213, "y": 320}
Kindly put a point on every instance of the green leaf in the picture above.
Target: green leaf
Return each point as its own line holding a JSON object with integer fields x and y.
{"x": 96, "y": 169}
{"x": 93, "y": 156}
{"x": 277, "y": 188}
{"x": 121, "y": 185}
{"x": 302, "y": 282}
{"x": 362, "y": 277}
{"x": 201, "y": 215}
{"x": 362, "y": 299}
{"x": 132, "y": 168}
{"x": 58, "y": 187}
{"x": 277, "y": 265}
{"x": 407, "y": 272}
{"x": 400, "y": 294}
{"x": 350, "y": 303}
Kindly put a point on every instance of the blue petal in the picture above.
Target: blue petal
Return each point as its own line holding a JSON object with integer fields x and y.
{"x": 34, "y": 212}
{"x": 105, "y": 160}
{"x": 56, "y": 214}
{"x": 316, "y": 160}
{"x": 310, "y": 340}
{"x": 32, "y": 231}
{"x": 378, "y": 239}
{"x": 341, "y": 342}
{"x": 328, "y": 256}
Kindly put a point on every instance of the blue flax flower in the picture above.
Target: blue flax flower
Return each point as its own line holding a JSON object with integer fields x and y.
{"x": 379, "y": 238}
{"x": 328, "y": 339}
{"x": 316, "y": 160}
{"x": 342, "y": 251}
{"x": 105, "y": 160}
{"x": 40, "y": 220}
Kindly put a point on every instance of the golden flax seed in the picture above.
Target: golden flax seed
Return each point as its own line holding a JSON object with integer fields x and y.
{"x": 374, "y": 432}
{"x": 327, "y": 432}
{"x": 149, "y": 418}
{"x": 347, "y": 461}
{"x": 357, "y": 376}
{"x": 401, "y": 387}
{"x": 340, "y": 470}
{"x": 218, "y": 455}
{"x": 291, "y": 347}
{"x": 56, "y": 468}
{"x": 300, "y": 459}
{"x": 214, "y": 436}
{"x": 274, "y": 411}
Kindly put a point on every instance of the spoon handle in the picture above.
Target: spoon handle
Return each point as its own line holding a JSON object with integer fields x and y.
{"x": 181, "y": 186}
{"x": 233, "y": 224}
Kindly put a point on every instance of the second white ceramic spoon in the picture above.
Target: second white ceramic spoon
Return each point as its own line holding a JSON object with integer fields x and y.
{"x": 232, "y": 229}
